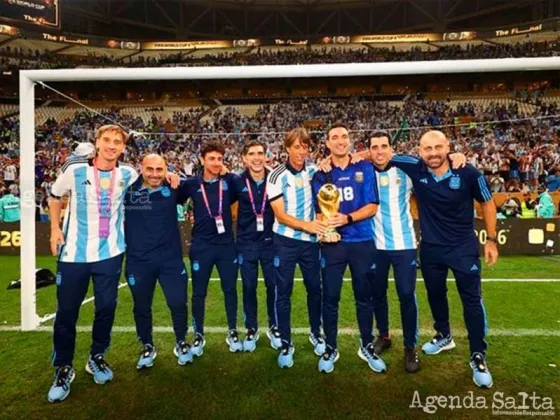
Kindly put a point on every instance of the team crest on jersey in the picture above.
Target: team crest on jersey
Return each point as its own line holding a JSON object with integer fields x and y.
{"x": 121, "y": 183}
{"x": 299, "y": 182}
{"x": 384, "y": 181}
{"x": 398, "y": 181}
{"x": 359, "y": 177}
{"x": 455, "y": 183}
{"x": 166, "y": 192}
{"x": 224, "y": 186}
{"x": 105, "y": 183}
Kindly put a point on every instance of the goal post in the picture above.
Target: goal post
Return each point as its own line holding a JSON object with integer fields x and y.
{"x": 28, "y": 78}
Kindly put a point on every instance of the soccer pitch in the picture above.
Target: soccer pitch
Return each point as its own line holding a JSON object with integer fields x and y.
{"x": 524, "y": 343}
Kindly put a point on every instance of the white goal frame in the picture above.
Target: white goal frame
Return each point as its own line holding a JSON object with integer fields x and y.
{"x": 27, "y": 79}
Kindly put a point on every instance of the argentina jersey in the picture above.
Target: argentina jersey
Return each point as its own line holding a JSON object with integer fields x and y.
{"x": 358, "y": 187}
{"x": 82, "y": 226}
{"x": 394, "y": 228}
{"x": 294, "y": 188}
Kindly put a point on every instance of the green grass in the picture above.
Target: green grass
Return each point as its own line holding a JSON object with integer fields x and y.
{"x": 224, "y": 385}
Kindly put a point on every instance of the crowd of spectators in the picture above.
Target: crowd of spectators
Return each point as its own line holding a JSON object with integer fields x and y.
{"x": 519, "y": 154}
{"x": 13, "y": 59}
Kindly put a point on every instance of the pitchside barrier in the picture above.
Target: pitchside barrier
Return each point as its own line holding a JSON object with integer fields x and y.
{"x": 515, "y": 236}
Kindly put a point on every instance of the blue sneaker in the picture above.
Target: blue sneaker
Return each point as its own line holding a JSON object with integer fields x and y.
{"x": 183, "y": 352}
{"x": 328, "y": 359}
{"x": 438, "y": 344}
{"x": 481, "y": 375}
{"x": 60, "y": 388}
{"x": 286, "y": 356}
{"x": 197, "y": 348}
{"x": 250, "y": 342}
{"x": 232, "y": 340}
{"x": 100, "y": 369}
{"x": 375, "y": 362}
{"x": 147, "y": 357}
{"x": 318, "y": 344}
{"x": 273, "y": 335}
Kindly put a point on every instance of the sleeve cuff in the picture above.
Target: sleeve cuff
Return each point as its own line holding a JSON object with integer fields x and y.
{"x": 271, "y": 199}
{"x": 55, "y": 196}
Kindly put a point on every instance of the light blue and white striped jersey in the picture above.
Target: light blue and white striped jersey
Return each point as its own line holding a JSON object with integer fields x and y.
{"x": 294, "y": 188}
{"x": 393, "y": 225}
{"x": 81, "y": 222}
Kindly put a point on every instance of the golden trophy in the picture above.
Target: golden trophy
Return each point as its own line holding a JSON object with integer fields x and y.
{"x": 329, "y": 203}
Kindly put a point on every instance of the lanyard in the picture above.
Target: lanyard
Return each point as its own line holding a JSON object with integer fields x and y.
{"x": 252, "y": 200}
{"x": 104, "y": 211}
{"x": 205, "y": 198}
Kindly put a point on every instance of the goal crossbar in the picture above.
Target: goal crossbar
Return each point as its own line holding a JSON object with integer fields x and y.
{"x": 27, "y": 79}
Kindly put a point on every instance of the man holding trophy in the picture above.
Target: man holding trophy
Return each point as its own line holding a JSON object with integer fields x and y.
{"x": 347, "y": 197}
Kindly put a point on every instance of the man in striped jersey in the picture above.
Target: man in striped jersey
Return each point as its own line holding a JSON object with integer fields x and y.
{"x": 295, "y": 241}
{"x": 90, "y": 244}
{"x": 445, "y": 201}
{"x": 396, "y": 246}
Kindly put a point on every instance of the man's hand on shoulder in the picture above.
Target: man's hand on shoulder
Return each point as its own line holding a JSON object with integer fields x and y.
{"x": 458, "y": 160}
{"x": 173, "y": 179}
{"x": 325, "y": 164}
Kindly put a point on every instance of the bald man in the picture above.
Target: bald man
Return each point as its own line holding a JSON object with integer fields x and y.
{"x": 445, "y": 199}
{"x": 154, "y": 252}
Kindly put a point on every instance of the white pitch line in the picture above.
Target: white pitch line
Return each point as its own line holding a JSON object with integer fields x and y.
{"x": 497, "y": 332}
{"x": 261, "y": 279}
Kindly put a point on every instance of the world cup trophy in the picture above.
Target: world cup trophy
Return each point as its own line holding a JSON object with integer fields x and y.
{"x": 329, "y": 203}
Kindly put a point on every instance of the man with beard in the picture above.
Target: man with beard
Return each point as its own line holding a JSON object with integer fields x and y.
{"x": 445, "y": 202}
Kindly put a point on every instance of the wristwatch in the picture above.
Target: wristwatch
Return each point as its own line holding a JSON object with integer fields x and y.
{"x": 492, "y": 239}
{"x": 350, "y": 219}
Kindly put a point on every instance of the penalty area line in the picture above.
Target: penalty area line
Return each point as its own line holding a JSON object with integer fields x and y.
{"x": 493, "y": 332}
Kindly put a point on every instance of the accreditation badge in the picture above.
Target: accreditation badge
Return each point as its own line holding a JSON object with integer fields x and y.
{"x": 260, "y": 223}
{"x": 220, "y": 225}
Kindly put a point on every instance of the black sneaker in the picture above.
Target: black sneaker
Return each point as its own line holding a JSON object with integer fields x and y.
{"x": 381, "y": 344}
{"x": 411, "y": 360}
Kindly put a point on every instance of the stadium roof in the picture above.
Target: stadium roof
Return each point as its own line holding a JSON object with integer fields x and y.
{"x": 211, "y": 19}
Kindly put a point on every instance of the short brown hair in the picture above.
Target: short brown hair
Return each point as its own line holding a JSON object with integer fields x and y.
{"x": 114, "y": 128}
{"x": 300, "y": 134}
{"x": 212, "y": 146}
{"x": 252, "y": 143}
